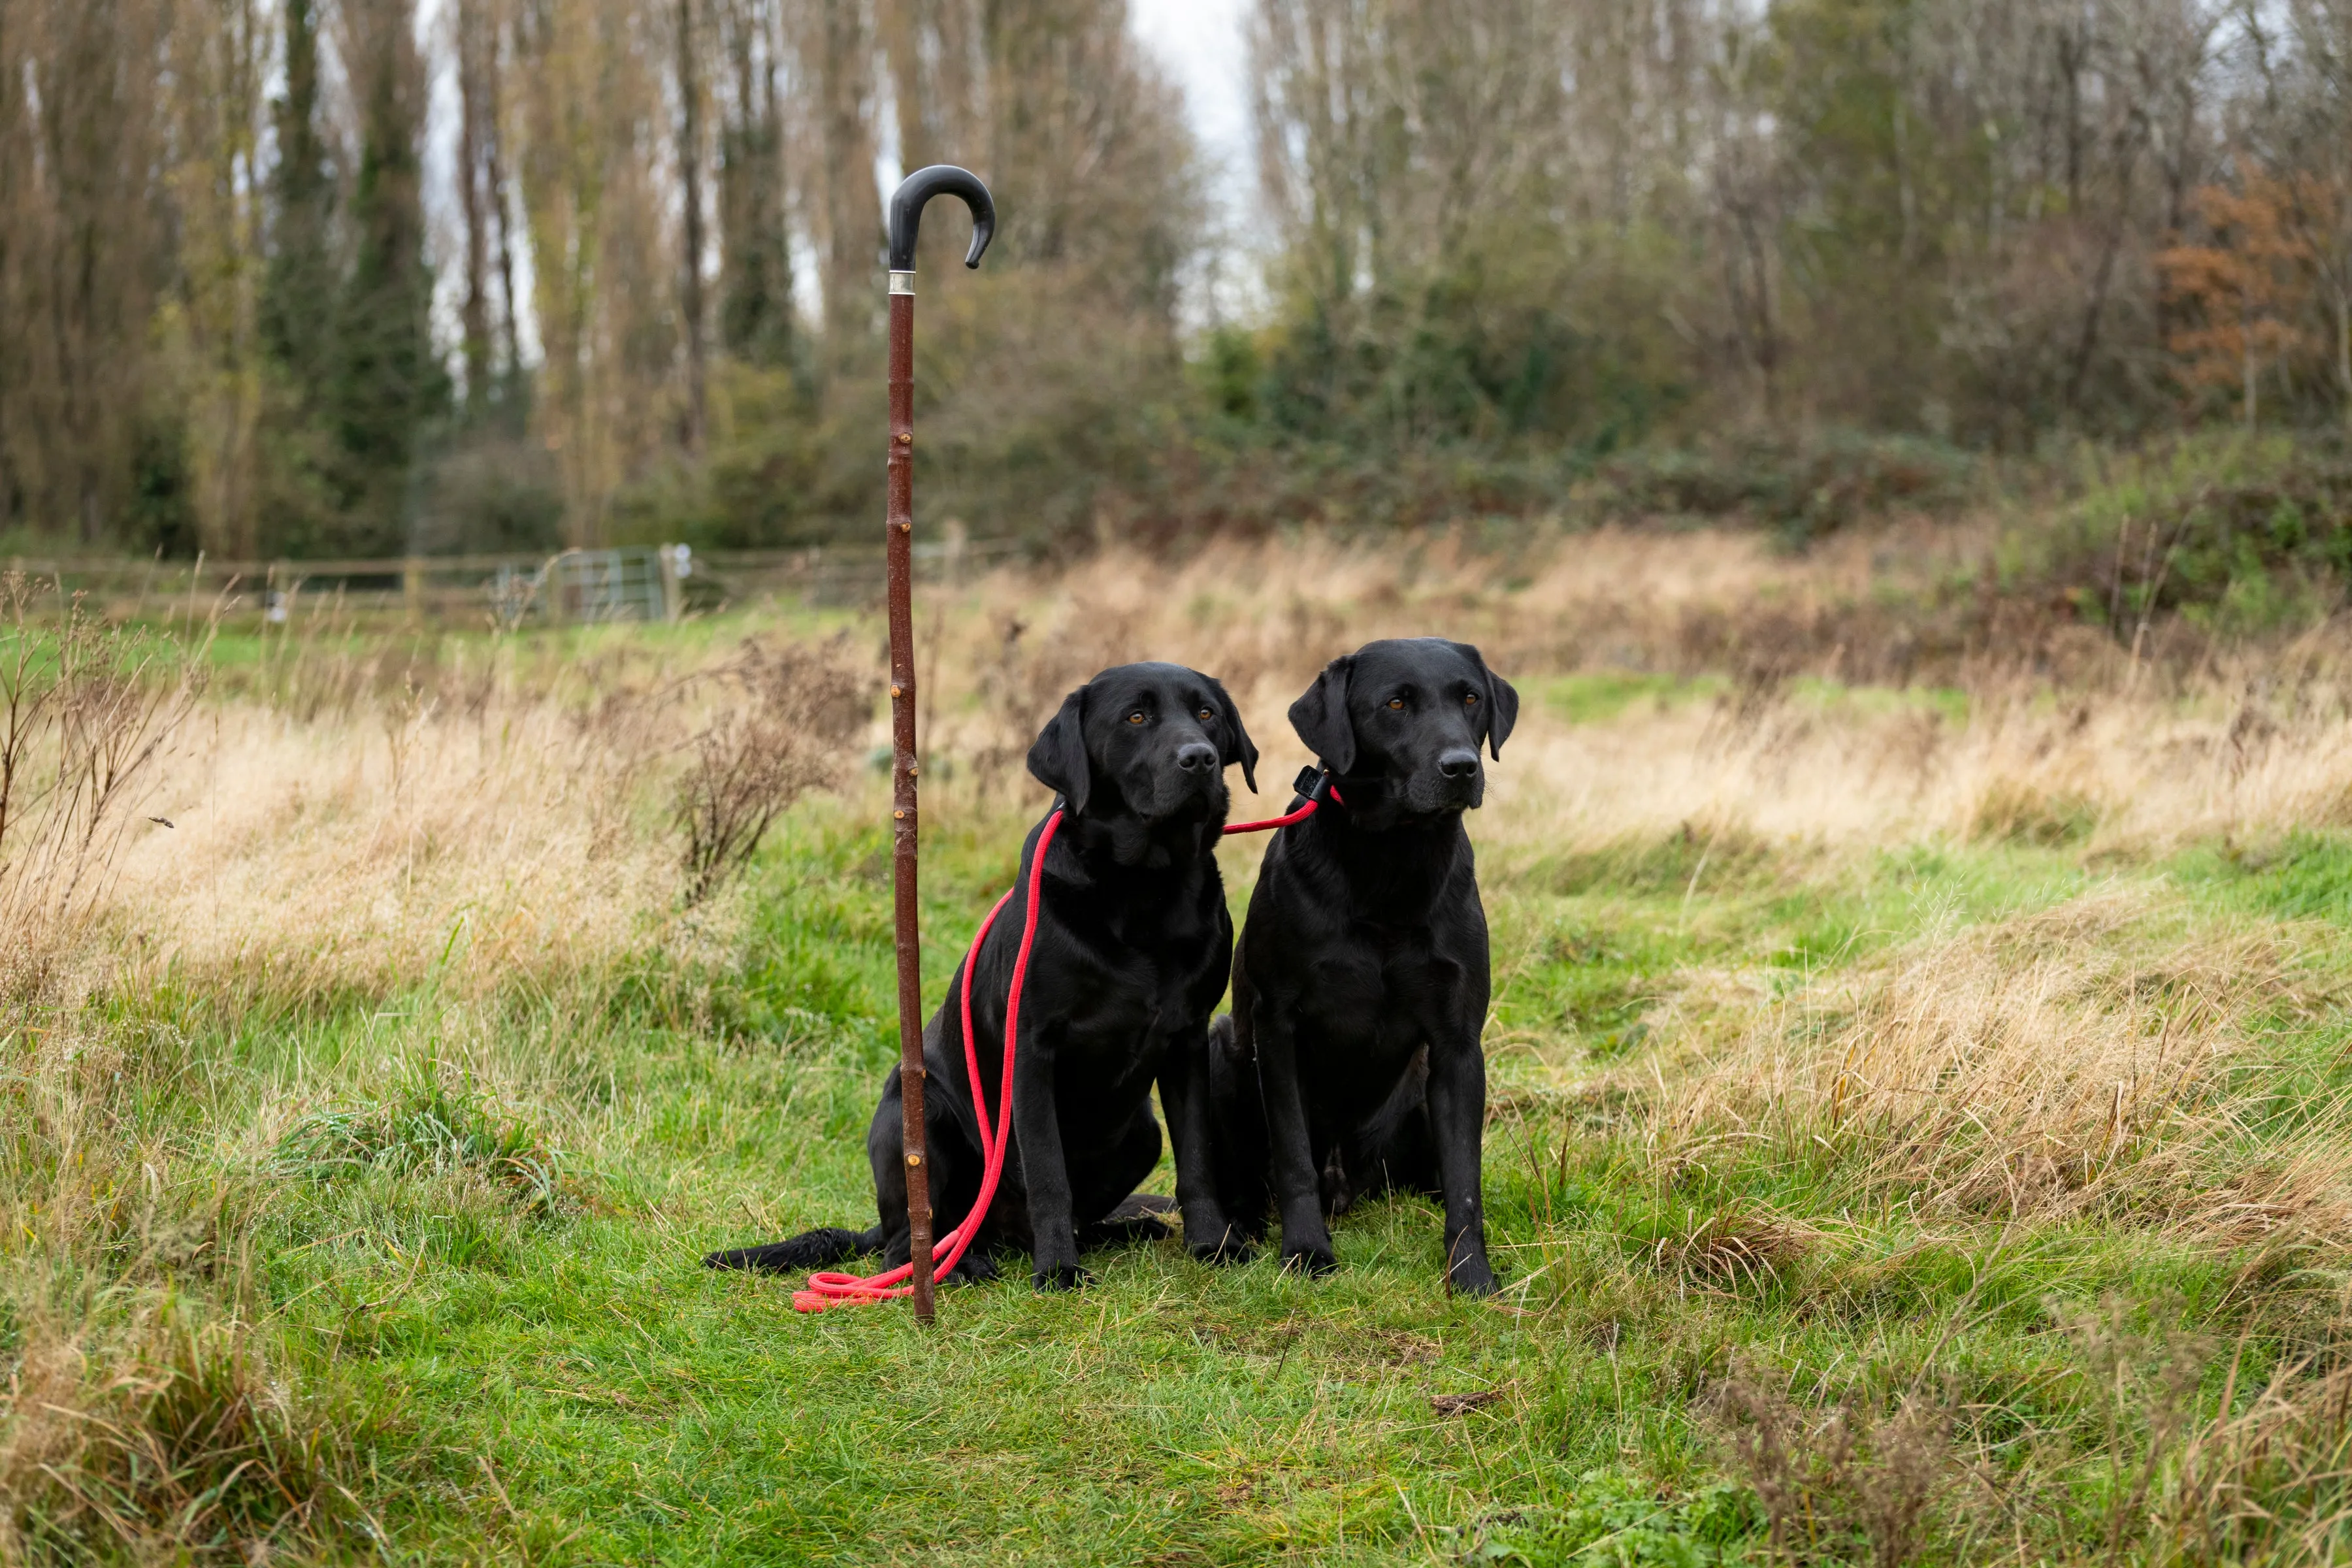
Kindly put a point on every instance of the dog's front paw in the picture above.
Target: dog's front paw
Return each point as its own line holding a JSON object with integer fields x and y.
{"x": 1229, "y": 1246}
{"x": 1472, "y": 1277}
{"x": 1309, "y": 1261}
{"x": 974, "y": 1268}
{"x": 1061, "y": 1277}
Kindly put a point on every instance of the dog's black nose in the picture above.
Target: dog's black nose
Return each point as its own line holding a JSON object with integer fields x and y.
{"x": 1201, "y": 757}
{"x": 1458, "y": 764}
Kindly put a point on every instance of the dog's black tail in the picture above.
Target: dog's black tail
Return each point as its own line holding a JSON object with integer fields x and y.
{"x": 810, "y": 1249}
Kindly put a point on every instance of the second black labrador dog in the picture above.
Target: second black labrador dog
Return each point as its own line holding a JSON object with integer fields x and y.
{"x": 1132, "y": 949}
{"x": 1352, "y": 1062}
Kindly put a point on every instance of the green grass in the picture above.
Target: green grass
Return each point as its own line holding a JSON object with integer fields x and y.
{"x": 1597, "y": 696}
{"x": 478, "y": 1239}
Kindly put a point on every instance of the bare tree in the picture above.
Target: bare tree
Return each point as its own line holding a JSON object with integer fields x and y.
{"x": 476, "y": 46}
{"x": 602, "y": 247}
{"x": 84, "y": 250}
{"x": 220, "y": 53}
{"x": 690, "y": 156}
{"x": 837, "y": 50}
{"x": 756, "y": 281}
{"x": 2311, "y": 96}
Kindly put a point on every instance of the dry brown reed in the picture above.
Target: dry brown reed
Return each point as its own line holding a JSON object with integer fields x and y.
{"x": 2075, "y": 1061}
{"x": 2157, "y": 1461}
{"x": 2173, "y": 1453}
{"x": 1838, "y": 1485}
{"x": 88, "y": 713}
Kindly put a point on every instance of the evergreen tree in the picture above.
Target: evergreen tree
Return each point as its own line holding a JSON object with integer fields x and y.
{"x": 386, "y": 383}
{"x": 301, "y": 277}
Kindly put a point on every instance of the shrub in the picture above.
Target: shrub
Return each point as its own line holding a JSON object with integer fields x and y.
{"x": 797, "y": 710}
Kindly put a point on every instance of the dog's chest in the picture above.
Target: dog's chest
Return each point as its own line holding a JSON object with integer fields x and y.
{"x": 1138, "y": 972}
{"x": 1381, "y": 986}
{"x": 1126, "y": 993}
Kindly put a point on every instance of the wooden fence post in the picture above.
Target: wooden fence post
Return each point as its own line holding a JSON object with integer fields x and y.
{"x": 673, "y": 590}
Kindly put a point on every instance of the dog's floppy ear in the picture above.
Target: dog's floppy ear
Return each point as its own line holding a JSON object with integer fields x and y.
{"x": 1320, "y": 717}
{"x": 1243, "y": 750}
{"x": 1058, "y": 759}
{"x": 1502, "y": 702}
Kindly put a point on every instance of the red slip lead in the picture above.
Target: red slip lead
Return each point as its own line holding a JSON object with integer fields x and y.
{"x": 1301, "y": 814}
{"x": 831, "y": 1289}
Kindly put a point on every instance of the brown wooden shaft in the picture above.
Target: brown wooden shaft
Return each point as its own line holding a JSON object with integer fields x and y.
{"x": 900, "y": 555}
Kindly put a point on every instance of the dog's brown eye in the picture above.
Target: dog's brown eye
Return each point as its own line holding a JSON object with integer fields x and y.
{"x": 1471, "y": 700}
{"x": 1206, "y": 714}
{"x": 1136, "y": 716}
{"x": 1396, "y": 702}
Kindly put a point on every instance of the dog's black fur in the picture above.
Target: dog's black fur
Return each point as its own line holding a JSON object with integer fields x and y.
{"x": 1350, "y": 1064}
{"x": 1133, "y": 944}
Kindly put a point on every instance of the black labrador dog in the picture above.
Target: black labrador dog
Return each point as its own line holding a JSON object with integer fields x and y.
{"x": 1132, "y": 949}
{"x": 1350, "y": 1064}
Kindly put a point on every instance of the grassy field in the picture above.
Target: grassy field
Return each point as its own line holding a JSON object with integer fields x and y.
{"x": 1918, "y": 1126}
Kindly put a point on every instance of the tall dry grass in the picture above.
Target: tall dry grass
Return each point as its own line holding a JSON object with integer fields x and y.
{"x": 2081, "y": 1060}
{"x": 170, "y": 1441}
{"x": 88, "y": 715}
{"x": 338, "y": 824}
{"x": 2063, "y": 737}
{"x": 355, "y": 809}
{"x": 2179, "y": 1467}
{"x": 491, "y": 824}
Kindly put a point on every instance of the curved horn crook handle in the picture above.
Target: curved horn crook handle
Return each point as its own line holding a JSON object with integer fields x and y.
{"x": 939, "y": 180}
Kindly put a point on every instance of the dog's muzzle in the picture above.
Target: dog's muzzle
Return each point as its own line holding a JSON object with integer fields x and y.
{"x": 1456, "y": 782}
{"x": 1193, "y": 784}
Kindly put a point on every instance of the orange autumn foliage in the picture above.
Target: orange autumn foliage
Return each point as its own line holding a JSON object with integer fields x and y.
{"x": 2247, "y": 284}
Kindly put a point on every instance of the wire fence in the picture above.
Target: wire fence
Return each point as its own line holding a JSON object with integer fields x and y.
{"x": 635, "y": 583}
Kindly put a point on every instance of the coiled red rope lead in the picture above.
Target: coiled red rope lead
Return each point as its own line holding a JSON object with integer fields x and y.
{"x": 831, "y": 1289}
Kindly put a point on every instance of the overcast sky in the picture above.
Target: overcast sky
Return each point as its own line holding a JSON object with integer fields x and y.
{"x": 1200, "y": 44}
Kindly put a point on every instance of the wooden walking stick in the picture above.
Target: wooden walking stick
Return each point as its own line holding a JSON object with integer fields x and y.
{"x": 906, "y": 218}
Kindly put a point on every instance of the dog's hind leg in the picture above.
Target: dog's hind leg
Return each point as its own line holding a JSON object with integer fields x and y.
{"x": 955, "y": 1179}
{"x": 1395, "y": 1148}
{"x": 1122, "y": 1214}
{"x": 885, "y": 1144}
{"x": 1212, "y": 1108}
{"x": 956, "y": 1169}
